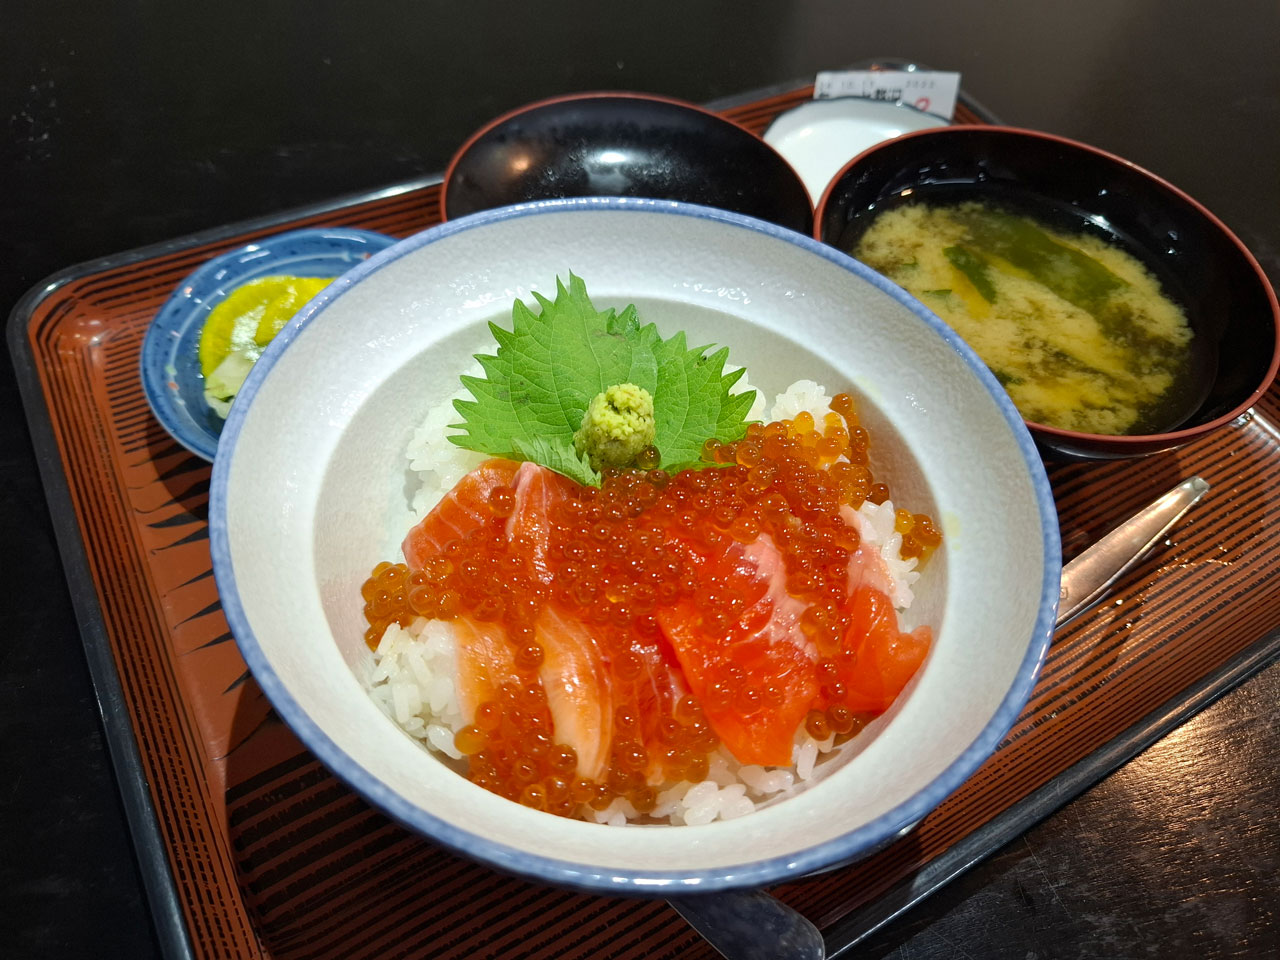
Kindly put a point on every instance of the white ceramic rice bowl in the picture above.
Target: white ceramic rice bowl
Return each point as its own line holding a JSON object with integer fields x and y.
{"x": 310, "y": 490}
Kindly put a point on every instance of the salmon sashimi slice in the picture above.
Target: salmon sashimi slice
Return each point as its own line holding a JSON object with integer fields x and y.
{"x": 538, "y": 491}
{"x": 579, "y": 689}
{"x": 461, "y": 510}
{"x": 586, "y": 682}
{"x": 755, "y": 677}
{"x": 868, "y": 569}
{"x": 485, "y": 662}
{"x": 466, "y": 507}
{"x": 880, "y": 659}
{"x": 655, "y": 693}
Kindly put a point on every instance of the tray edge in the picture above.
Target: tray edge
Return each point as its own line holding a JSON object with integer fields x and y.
{"x": 141, "y": 816}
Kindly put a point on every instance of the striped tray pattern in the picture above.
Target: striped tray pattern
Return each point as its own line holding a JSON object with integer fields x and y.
{"x": 272, "y": 856}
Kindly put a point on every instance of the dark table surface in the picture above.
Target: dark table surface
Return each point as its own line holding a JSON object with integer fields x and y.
{"x": 134, "y": 122}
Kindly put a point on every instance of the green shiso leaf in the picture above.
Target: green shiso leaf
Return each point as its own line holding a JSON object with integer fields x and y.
{"x": 693, "y": 403}
{"x": 549, "y": 365}
{"x": 560, "y": 456}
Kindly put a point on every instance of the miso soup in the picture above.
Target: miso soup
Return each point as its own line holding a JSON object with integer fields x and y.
{"x": 1078, "y": 331}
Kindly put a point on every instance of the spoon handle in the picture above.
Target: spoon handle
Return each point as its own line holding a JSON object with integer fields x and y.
{"x": 751, "y": 925}
{"x": 1086, "y": 578}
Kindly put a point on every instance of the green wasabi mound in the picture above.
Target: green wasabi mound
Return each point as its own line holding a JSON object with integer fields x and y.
{"x": 618, "y": 424}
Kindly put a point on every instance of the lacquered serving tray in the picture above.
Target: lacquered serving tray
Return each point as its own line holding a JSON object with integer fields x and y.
{"x": 251, "y": 848}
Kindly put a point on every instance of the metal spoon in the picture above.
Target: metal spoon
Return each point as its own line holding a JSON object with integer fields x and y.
{"x": 1086, "y": 578}
{"x": 751, "y": 924}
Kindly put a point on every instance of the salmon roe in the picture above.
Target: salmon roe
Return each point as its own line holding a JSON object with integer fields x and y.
{"x": 615, "y": 561}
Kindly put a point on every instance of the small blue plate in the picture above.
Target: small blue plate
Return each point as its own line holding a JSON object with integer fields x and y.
{"x": 170, "y": 360}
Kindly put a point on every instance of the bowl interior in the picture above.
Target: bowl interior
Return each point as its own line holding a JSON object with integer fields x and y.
{"x": 624, "y": 145}
{"x": 170, "y": 361}
{"x": 1078, "y": 189}
{"x": 313, "y": 491}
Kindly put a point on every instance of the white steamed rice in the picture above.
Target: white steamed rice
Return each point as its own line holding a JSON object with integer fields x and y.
{"x": 414, "y": 667}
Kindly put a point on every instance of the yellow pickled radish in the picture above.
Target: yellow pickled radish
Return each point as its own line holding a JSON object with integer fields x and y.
{"x": 251, "y": 315}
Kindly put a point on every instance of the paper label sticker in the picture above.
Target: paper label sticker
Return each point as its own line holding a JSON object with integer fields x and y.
{"x": 933, "y": 91}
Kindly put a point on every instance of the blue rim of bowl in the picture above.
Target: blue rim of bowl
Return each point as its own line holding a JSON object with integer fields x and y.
{"x": 602, "y": 879}
{"x": 201, "y": 290}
